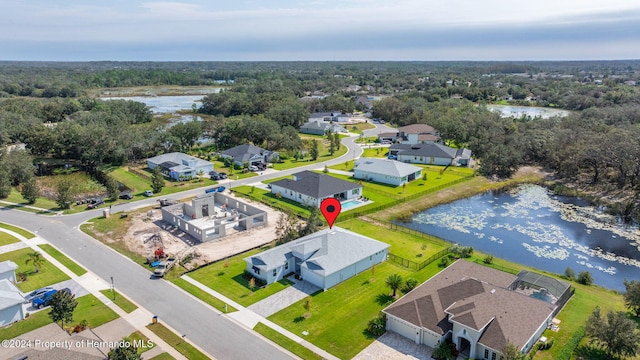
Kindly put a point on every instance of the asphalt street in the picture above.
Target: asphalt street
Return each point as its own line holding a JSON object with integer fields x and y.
{"x": 214, "y": 333}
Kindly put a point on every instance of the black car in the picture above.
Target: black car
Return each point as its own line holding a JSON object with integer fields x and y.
{"x": 222, "y": 175}
{"x": 126, "y": 196}
{"x": 215, "y": 177}
{"x": 213, "y": 172}
{"x": 95, "y": 203}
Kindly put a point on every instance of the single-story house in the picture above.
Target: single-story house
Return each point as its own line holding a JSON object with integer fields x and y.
{"x": 309, "y": 188}
{"x": 386, "y": 171}
{"x": 317, "y": 127}
{"x": 8, "y": 270}
{"x": 179, "y": 166}
{"x": 413, "y": 134}
{"x": 334, "y": 116}
{"x": 474, "y": 307}
{"x": 11, "y": 300}
{"x": 250, "y": 154}
{"x": 431, "y": 154}
{"x": 324, "y": 258}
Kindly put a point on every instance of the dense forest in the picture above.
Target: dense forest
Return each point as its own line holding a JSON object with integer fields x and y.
{"x": 596, "y": 148}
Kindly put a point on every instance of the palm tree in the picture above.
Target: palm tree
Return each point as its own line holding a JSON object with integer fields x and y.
{"x": 37, "y": 260}
{"x": 394, "y": 281}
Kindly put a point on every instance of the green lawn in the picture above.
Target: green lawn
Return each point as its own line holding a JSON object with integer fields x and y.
{"x": 89, "y": 308}
{"x": 285, "y": 342}
{"x": 163, "y": 356}
{"x": 339, "y": 316}
{"x": 94, "y": 311}
{"x": 324, "y": 156}
{"x": 120, "y": 300}
{"x": 177, "y": 342}
{"x": 226, "y": 277}
{"x": 6, "y": 239}
{"x": 139, "y": 338}
{"x": 48, "y": 275}
{"x": 203, "y": 295}
{"x": 16, "y": 197}
{"x": 135, "y": 183}
{"x": 267, "y": 197}
{"x": 408, "y": 246}
{"x": 70, "y": 264}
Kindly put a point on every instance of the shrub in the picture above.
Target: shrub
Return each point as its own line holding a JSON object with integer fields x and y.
{"x": 569, "y": 274}
{"x": 585, "y": 278}
{"x": 409, "y": 285}
{"x": 488, "y": 259}
{"x": 444, "y": 261}
{"x": 570, "y": 346}
{"x": 459, "y": 251}
{"x": 377, "y": 326}
{"x": 257, "y": 281}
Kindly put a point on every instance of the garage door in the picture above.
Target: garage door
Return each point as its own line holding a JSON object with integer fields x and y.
{"x": 402, "y": 328}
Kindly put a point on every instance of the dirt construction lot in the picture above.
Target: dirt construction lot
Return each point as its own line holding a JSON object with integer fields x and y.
{"x": 148, "y": 232}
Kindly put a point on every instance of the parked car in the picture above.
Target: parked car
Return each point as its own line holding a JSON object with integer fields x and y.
{"x": 215, "y": 177}
{"x": 147, "y": 193}
{"x": 213, "y": 172}
{"x": 222, "y": 175}
{"x": 393, "y": 157}
{"x": 36, "y": 293}
{"x": 163, "y": 267}
{"x": 126, "y": 195}
{"x": 95, "y": 203}
{"x": 45, "y": 299}
{"x": 253, "y": 168}
{"x": 167, "y": 202}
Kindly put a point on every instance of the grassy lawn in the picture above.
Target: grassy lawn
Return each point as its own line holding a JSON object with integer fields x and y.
{"x": 48, "y": 275}
{"x": 18, "y": 230}
{"x": 89, "y": 308}
{"x": 203, "y": 295}
{"x": 405, "y": 245}
{"x": 163, "y": 356}
{"x": 285, "y": 342}
{"x": 93, "y": 310}
{"x": 226, "y": 277}
{"x": 6, "y": 239}
{"x": 339, "y": 316}
{"x": 324, "y": 156}
{"x": 120, "y": 300}
{"x": 16, "y": 197}
{"x": 267, "y": 197}
{"x": 135, "y": 183}
{"x": 34, "y": 321}
{"x": 177, "y": 342}
{"x": 70, "y": 264}
{"x": 139, "y": 338}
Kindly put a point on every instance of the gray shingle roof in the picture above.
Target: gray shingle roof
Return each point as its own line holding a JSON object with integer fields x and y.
{"x": 426, "y": 150}
{"x": 9, "y": 294}
{"x": 176, "y": 158}
{"x": 474, "y": 295}
{"x": 386, "y": 167}
{"x": 417, "y": 129}
{"x": 7, "y": 265}
{"x": 316, "y": 185}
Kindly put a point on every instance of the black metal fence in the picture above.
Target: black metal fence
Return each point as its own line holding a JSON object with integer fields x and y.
{"x": 410, "y": 264}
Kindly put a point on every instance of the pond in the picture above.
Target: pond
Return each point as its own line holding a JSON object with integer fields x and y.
{"x": 518, "y": 111}
{"x": 530, "y": 226}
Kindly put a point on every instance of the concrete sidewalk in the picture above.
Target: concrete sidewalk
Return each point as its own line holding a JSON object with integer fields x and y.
{"x": 250, "y": 319}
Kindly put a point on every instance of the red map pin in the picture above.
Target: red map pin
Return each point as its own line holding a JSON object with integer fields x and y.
{"x": 330, "y": 208}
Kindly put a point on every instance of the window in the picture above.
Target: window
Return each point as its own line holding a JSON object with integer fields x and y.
{"x": 256, "y": 270}
{"x": 355, "y": 192}
{"x": 493, "y": 356}
{"x": 286, "y": 265}
{"x": 299, "y": 196}
{"x": 486, "y": 353}
{"x": 370, "y": 258}
{"x": 275, "y": 272}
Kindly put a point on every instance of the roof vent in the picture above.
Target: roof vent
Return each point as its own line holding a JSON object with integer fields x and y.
{"x": 493, "y": 291}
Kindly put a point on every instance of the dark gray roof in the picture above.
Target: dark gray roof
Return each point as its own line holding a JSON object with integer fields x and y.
{"x": 315, "y": 125}
{"x": 427, "y": 150}
{"x": 316, "y": 185}
{"x": 245, "y": 152}
{"x": 417, "y": 129}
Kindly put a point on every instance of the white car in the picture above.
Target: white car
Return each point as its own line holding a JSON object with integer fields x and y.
{"x": 36, "y": 293}
{"x": 148, "y": 193}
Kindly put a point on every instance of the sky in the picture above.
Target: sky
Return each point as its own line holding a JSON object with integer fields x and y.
{"x": 319, "y": 30}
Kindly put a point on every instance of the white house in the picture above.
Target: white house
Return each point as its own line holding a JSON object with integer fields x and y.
{"x": 179, "y": 166}
{"x": 250, "y": 154}
{"x": 10, "y": 303}
{"x": 475, "y": 307}
{"x": 386, "y": 171}
{"x": 324, "y": 258}
{"x": 8, "y": 270}
{"x": 317, "y": 127}
{"x": 430, "y": 154}
{"x": 309, "y": 188}
{"x": 334, "y": 116}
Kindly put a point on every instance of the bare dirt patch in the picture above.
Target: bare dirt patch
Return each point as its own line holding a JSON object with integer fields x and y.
{"x": 147, "y": 232}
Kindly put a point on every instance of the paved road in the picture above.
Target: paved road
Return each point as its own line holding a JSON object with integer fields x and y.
{"x": 216, "y": 334}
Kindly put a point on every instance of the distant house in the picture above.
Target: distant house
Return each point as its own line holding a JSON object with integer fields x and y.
{"x": 432, "y": 154}
{"x": 309, "y": 188}
{"x": 8, "y": 270}
{"x": 11, "y": 300}
{"x": 318, "y": 127}
{"x": 179, "y": 166}
{"x": 413, "y": 134}
{"x": 334, "y": 116}
{"x": 250, "y": 154}
{"x": 324, "y": 258}
{"x": 479, "y": 309}
{"x": 386, "y": 171}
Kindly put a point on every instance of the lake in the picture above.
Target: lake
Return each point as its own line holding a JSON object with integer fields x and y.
{"x": 530, "y": 226}
{"x": 518, "y": 111}
{"x": 165, "y": 104}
